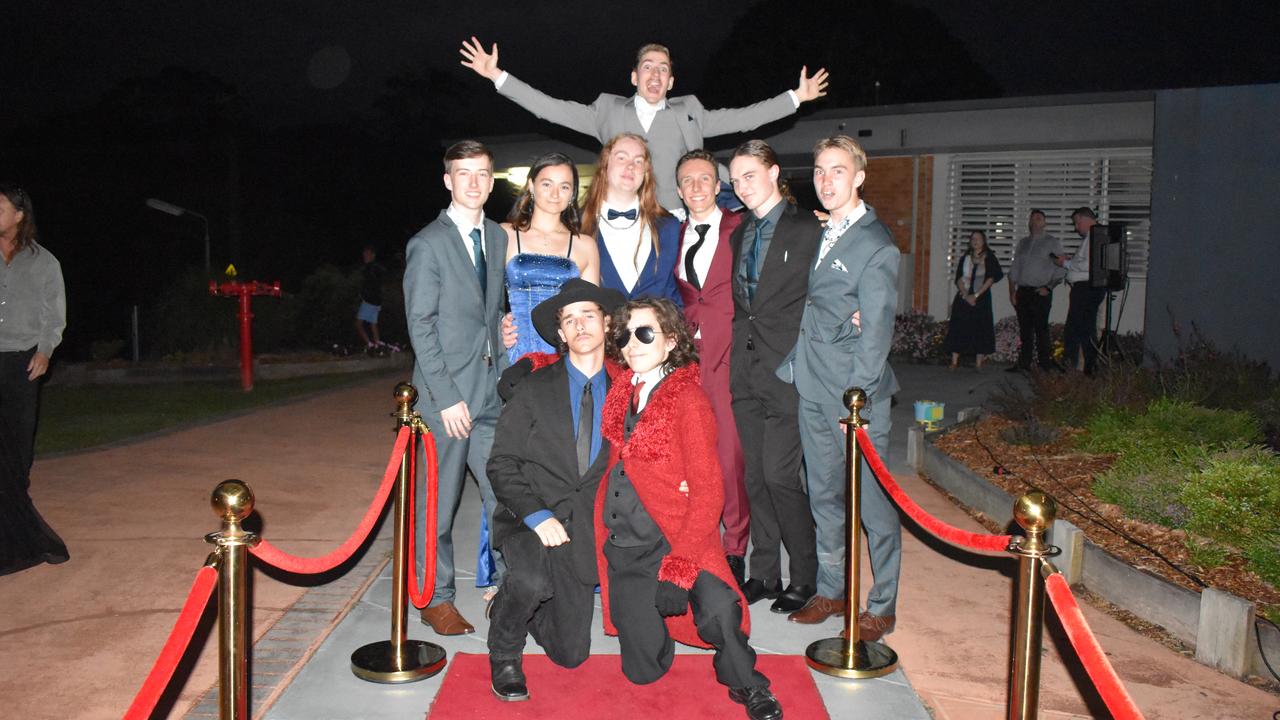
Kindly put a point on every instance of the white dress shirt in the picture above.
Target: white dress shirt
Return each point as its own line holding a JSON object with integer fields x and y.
{"x": 835, "y": 230}
{"x": 651, "y": 380}
{"x": 706, "y": 253}
{"x": 647, "y": 111}
{"x": 627, "y": 242}
{"x": 460, "y": 218}
{"x": 1078, "y": 266}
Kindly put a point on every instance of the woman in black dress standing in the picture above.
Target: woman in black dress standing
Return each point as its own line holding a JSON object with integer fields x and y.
{"x": 972, "y": 330}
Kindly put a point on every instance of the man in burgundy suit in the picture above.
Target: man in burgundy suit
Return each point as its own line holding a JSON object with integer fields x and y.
{"x": 704, "y": 276}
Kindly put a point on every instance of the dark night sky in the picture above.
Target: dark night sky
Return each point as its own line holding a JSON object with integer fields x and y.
{"x": 320, "y": 60}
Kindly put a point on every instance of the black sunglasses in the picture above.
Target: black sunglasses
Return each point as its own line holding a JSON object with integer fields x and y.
{"x": 644, "y": 334}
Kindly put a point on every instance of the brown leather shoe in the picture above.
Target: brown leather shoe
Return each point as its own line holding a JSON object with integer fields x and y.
{"x": 446, "y": 620}
{"x": 873, "y": 627}
{"x": 818, "y": 608}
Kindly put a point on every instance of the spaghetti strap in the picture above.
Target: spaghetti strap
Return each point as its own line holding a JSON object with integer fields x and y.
{"x": 518, "y": 250}
{"x": 569, "y": 254}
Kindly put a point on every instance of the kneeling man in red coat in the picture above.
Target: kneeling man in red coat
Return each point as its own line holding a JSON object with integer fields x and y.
{"x": 663, "y": 572}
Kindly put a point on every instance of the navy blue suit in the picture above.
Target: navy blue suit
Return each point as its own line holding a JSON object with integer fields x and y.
{"x": 658, "y": 277}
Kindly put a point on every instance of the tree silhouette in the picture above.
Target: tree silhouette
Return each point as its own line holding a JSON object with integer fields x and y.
{"x": 904, "y": 47}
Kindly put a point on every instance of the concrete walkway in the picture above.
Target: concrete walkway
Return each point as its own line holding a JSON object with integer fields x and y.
{"x": 76, "y": 640}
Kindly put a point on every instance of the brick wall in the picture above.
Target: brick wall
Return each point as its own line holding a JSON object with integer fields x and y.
{"x": 888, "y": 190}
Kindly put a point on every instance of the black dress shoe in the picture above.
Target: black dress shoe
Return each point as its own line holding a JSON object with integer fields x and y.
{"x": 754, "y": 590}
{"x": 759, "y": 702}
{"x": 737, "y": 566}
{"x": 793, "y": 598}
{"x": 507, "y": 680}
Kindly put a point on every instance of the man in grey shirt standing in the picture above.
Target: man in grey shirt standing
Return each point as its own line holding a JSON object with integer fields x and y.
{"x": 1031, "y": 281}
{"x": 670, "y": 126}
{"x": 33, "y": 314}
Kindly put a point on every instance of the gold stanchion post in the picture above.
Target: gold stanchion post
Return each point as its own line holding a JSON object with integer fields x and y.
{"x": 850, "y": 656}
{"x": 401, "y": 660}
{"x": 1034, "y": 512}
{"x": 232, "y": 501}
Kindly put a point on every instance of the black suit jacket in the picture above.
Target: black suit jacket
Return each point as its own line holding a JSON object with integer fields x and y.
{"x": 772, "y": 322}
{"x": 534, "y": 466}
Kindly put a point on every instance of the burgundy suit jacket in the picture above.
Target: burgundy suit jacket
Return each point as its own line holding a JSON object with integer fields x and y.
{"x": 711, "y": 308}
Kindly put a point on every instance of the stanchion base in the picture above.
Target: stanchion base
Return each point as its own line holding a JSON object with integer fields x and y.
{"x": 378, "y": 662}
{"x": 869, "y": 660}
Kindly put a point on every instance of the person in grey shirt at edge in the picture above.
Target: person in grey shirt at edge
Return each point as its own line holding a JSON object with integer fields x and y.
{"x": 670, "y": 126}
{"x": 1031, "y": 281}
{"x": 33, "y": 314}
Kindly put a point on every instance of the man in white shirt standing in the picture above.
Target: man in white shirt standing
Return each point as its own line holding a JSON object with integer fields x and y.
{"x": 1078, "y": 337}
{"x": 704, "y": 277}
{"x": 671, "y": 126}
{"x": 453, "y": 304}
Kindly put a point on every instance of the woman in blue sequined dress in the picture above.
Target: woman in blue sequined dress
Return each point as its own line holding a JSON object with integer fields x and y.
{"x": 541, "y": 249}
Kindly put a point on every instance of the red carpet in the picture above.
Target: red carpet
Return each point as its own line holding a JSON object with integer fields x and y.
{"x": 597, "y": 690}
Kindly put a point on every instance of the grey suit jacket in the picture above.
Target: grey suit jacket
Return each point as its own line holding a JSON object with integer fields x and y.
{"x": 859, "y": 273}
{"x": 676, "y": 130}
{"x": 453, "y": 329}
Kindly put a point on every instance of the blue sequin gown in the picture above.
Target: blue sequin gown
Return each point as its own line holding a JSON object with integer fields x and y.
{"x": 532, "y": 278}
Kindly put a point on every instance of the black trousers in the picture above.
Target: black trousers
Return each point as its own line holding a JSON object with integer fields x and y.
{"x": 647, "y": 647}
{"x": 19, "y": 406}
{"x": 1082, "y": 322}
{"x": 766, "y": 411}
{"x": 1033, "y": 327}
{"x": 541, "y": 596}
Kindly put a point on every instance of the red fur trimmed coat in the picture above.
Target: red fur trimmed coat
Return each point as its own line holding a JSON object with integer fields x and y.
{"x": 674, "y": 441}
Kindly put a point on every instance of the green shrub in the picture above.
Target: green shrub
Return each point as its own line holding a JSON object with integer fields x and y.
{"x": 1234, "y": 502}
{"x": 1170, "y": 424}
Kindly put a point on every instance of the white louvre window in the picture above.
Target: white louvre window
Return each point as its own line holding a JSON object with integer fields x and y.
{"x": 995, "y": 192}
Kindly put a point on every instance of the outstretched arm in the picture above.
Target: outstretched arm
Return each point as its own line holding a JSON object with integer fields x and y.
{"x": 572, "y": 115}
{"x": 745, "y": 119}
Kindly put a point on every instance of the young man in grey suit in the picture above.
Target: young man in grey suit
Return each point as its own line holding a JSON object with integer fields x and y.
{"x": 845, "y": 335}
{"x": 453, "y": 304}
{"x": 670, "y": 126}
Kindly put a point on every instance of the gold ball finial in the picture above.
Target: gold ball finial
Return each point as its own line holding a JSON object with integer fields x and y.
{"x": 406, "y": 394}
{"x": 1035, "y": 511}
{"x": 232, "y": 499}
{"x": 855, "y": 399}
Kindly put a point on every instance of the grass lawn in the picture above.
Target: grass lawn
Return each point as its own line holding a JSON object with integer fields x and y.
{"x": 84, "y": 416}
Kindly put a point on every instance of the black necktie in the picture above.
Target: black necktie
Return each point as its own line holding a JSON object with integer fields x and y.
{"x": 628, "y": 214}
{"x": 482, "y": 270}
{"x": 689, "y": 272}
{"x": 586, "y": 417}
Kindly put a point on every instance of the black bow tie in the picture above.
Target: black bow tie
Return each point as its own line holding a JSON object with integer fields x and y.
{"x": 628, "y": 214}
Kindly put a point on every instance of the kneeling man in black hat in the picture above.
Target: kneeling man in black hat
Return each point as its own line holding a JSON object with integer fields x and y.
{"x": 547, "y": 460}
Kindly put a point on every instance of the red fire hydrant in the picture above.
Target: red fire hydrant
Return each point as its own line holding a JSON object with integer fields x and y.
{"x": 245, "y": 290}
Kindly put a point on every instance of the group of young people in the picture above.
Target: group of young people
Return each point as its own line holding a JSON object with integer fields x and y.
{"x": 673, "y": 387}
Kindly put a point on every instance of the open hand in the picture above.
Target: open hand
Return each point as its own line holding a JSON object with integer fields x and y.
{"x": 811, "y": 87}
{"x": 485, "y": 64}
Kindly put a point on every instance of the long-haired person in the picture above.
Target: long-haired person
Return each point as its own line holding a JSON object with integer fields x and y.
{"x": 972, "y": 329}
{"x": 639, "y": 243}
{"x": 543, "y": 248}
{"x": 663, "y": 573}
{"x": 33, "y": 313}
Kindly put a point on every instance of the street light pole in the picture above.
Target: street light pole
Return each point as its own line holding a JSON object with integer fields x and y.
{"x": 176, "y": 211}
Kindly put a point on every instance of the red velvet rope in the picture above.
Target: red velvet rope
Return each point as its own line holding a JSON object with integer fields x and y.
{"x": 272, "y": 555}
{"x": 174, "y": 647}
{"x": 1091, "y": 655}
{"x": 981, "y": 542}
{"x": 420, "y": 597}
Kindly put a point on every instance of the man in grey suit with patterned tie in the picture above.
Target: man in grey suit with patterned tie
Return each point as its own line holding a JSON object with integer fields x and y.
{"x": 670, "y": 126}
{"x": 844, "y": 341}
{"x": 453, "y": 304}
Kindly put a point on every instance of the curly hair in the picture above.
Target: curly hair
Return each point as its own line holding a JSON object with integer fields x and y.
{"x": 670, "y": 320}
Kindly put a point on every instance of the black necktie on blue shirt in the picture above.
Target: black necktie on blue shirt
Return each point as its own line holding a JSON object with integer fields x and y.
{"x": 586, "y": 417}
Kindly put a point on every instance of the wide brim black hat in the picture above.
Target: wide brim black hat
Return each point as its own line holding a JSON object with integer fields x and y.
{"x": 545, "y": 314}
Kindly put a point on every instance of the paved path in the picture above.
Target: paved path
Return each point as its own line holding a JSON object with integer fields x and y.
{"x": 77, "y": 639}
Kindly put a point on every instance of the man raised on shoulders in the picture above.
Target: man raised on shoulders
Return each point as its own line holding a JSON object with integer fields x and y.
{"x": 671, "y": 126}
